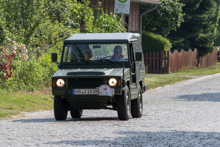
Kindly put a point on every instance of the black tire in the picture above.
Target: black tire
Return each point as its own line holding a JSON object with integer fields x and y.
{"x": 137, "y": 105}
{"x": 60, "y": 110}
{"x": 124, "y": 105}
{"x": 76, "y": 113}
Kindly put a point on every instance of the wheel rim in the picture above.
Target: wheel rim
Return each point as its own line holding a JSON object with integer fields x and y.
{"x": 140, "y": 102}
{"x": 128, "y": 105}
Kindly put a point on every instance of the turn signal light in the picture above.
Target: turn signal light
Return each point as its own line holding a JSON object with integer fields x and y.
{"x": 53, "y": 83}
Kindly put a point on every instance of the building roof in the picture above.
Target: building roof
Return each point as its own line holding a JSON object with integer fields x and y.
{"x": 147, "y": 1}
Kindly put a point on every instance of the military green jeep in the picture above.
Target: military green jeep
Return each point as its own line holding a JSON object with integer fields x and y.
{"x": 100, "y": 71}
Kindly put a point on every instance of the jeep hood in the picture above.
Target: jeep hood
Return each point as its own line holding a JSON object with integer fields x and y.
{"x": 90, "y": 72}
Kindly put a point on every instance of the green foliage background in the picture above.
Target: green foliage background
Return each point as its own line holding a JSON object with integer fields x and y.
{"x": 199, "y": 29}
{"x": 42, "y": 25}
{"x": 187, "y": 24}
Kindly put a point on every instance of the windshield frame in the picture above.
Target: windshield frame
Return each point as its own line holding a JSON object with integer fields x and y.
{"x": 95, "y": 61}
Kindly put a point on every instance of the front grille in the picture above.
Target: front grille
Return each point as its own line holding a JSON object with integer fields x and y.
{"x": 85, "y": 82}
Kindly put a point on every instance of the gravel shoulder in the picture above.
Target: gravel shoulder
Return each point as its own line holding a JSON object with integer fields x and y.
{"x": 182, "y": 114}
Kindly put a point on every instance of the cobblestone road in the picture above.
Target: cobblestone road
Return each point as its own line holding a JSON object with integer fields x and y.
{"x": 182, "y": 114}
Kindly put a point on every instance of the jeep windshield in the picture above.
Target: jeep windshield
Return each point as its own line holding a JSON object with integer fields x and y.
{"x": 95, "y": 53}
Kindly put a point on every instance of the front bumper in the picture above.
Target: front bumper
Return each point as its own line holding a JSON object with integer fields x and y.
{"x": 100, "y": 100}
{"x": 69, "y": 92}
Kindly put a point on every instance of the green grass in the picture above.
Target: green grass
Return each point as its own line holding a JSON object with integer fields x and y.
{"x": 17, "y": 102}
{"x": 159, "y": 80}
{"x": 202, "y": 71}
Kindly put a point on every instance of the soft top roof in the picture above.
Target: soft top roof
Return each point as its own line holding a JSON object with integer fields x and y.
{"x": 102, "y": 37}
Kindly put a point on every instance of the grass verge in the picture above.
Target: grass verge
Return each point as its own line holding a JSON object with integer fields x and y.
{"x": 159, "y": 80}
{"x": 17, "y": 102}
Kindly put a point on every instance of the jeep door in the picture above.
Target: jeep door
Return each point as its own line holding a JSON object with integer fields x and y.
{"x": 134, "y": 75}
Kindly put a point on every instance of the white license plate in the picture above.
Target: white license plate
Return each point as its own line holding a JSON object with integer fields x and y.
{"x": 85, "y": 91}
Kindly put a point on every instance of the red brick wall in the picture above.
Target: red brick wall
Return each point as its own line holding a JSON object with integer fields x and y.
{"x": 134, "y": 16}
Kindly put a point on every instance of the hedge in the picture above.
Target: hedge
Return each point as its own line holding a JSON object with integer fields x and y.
{"x": 153, "y": 42}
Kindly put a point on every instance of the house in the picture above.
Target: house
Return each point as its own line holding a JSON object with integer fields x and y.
{"x": 134, "y": 18}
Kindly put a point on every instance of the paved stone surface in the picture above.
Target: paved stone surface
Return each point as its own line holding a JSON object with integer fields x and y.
{"x": 184, "y": 114}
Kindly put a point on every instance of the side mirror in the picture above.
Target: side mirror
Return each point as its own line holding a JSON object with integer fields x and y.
{"x": 138, "y": 56}
{"x": 54, "y": 57}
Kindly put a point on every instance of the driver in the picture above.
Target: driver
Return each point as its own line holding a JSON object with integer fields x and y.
{"x": 86, "y": 53}
{"x": 117, "y": 54}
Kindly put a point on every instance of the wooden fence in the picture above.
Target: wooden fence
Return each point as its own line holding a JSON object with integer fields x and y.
{"x": 183, "y": 60}
{"x": 166, "y": 62}
{"x": 157, "y": 62}
{"x": 208, "y": 60}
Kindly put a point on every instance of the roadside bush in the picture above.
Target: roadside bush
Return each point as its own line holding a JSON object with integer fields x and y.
{"x": 6, "y": 59}
{"x": 18, "y": 70}
{"x": 10, "y": 52}
{"x": 153, "y": 42}
{"x": 30, "y": 74}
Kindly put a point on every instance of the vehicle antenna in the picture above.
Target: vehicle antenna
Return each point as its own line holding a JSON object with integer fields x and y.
{"x": 123, "y": 71}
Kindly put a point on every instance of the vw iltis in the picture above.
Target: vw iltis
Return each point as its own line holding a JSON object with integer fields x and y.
{"x": 90, "y": 78}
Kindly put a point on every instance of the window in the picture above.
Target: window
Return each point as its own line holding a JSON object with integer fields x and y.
{"x": 95, "y": 52}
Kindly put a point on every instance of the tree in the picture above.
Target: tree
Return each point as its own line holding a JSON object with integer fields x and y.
{"x": 43, "y": 23}
{"x": 21, "y": 18}
{"x": 168, "y": 16}
{"x": 217, "y": 41}
{"x": 199, "y": 27}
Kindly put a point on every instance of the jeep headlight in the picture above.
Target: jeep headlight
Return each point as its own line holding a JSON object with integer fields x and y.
{"x": 112, "y": 82}
{"x": 60, "y": 82}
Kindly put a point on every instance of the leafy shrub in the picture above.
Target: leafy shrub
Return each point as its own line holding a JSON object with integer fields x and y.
{"x": 105, "y": 23}
{"x": 5, "y": 63}
{"x": 153, "y": 42}
{"x": 10, "y": 52}
{"x": 30, "y": 74}
{"x": 20, "y": 71}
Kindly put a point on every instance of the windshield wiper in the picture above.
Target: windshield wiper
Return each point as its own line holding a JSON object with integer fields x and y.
{"x": 106, "y": 60}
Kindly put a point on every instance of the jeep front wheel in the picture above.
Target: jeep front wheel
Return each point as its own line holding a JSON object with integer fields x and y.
{"x": 124, "y": 105}
{"x": 137, "y": 105}
{"x": 60, "y": 111}
{"x": 76, "y": 113}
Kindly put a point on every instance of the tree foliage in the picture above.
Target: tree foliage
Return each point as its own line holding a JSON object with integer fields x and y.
{"x": 199, "y": 27}
{"x": 217, "y": 40}
{"x": 168, "y": 16}
{"x": 43, "y": 23}
{"x": 20, "y": 18}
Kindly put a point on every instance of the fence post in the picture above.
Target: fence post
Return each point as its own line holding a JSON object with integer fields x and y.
{"x": 146, "y": 62}
{"x": 161, "y": 62}
{"x": 150, "y": 62}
